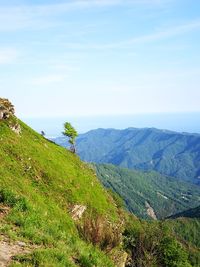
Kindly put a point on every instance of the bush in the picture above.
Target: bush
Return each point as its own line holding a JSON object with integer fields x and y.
{"x": 100, "y": 232}
{"x": 173, "y": 255}
{"x": 153, "y": 246}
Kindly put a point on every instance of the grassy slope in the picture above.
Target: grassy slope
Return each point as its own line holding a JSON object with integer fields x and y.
{"x": 50, "y": 179}
{"x": 165, "y": 194}
{"x": 186, "y": 231}
{"x": 187, "y": 225}
{"x": 39, "y": 181}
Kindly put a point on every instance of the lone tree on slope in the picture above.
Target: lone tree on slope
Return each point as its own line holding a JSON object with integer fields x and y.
{"x": 43, "y": 133}
{"x": 71, "y": 133}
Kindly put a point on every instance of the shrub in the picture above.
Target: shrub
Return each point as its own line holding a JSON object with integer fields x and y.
{"x": 100, "y": 232}
{"x": 173, "y": 255}
{"x": 153, "y": 246}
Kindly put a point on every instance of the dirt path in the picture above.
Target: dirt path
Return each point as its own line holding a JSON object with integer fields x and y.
{"x": 9, "y": 249}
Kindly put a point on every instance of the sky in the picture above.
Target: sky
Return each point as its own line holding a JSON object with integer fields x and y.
{"x": 100, "y": 57}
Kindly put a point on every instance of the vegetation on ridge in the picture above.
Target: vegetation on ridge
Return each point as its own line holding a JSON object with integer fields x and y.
{"x": 42, "y": 184}
{"x": 164, "y": 194}
{"x": 170, "y": 153}
{"x": 71, "y": 133}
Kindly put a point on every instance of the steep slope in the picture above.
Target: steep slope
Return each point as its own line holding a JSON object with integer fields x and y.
{"x": 141, "y": 190}
{"x": 170, "y": 153}
{"x": 54, "y": 212}
{"x": 41, "y": 184}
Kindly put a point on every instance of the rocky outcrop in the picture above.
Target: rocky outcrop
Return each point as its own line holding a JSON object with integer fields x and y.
{"x": 16, "y": 128}
{"x": 7, "y": 112}
{"x": 6, "y": 109}
{"x": 150, "y": 211}
{"x": 77, "y": 211}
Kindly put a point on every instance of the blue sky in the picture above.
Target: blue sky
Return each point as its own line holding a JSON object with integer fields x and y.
{"x": 100, "y": 57}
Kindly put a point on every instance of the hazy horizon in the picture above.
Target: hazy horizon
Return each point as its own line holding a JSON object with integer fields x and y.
{"x": 180, "y": 122}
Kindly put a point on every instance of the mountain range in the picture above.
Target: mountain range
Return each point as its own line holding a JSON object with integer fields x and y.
{"x": 55, "y": 212}
{"x": 169, "y": 153}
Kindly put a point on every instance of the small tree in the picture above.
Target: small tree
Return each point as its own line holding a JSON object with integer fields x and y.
{"x": 71, "y": 133}
{"x": 43, "y": 133}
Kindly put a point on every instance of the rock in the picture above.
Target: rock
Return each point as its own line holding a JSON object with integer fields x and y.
{"x": 8, "y": 249}
{"x": 16, "y": 128}
{"x": 6, "y": 109}
{"x": 21, "y": 244}
{"x": 7, "y": 112}
{"x": 77, "y": 211}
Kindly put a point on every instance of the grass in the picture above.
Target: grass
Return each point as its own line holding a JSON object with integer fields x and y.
{"x": 40, "y": 182}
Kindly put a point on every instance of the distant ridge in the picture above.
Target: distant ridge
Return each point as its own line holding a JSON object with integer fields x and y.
{"x": 170, "y": 153}
{"x": 164, "y": 194}
{"x": 191, "y": 213}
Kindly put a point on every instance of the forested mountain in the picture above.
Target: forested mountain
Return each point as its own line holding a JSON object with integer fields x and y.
{"x": 54, "y": 211}
{"x": 147, "y": 193}
{"x": 170, "y": 153}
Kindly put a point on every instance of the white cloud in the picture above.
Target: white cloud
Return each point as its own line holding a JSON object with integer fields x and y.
{"x": 8, "y": 55}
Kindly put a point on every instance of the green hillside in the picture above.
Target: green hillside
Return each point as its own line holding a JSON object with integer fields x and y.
{"x": 170, "y": 153}
{"x": 164, "y": 194}
{"x": 39, "y": 184}
{"x": 54, "y": 212}
{"x": 186, "y": 225}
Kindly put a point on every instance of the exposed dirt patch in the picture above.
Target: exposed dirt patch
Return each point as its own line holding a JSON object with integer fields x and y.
{"x": 8, "y": 249}
{"x": 4, "y": 210}
{"x": 150, "y": 211}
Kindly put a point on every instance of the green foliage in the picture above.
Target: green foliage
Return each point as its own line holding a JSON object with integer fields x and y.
{"x": 117, "y": 199}
{"x": 45, "y": 257}
{"x": 187, "y": 229}
{"x": 8, "y": 198}
{"x": 166, "y": 195}
{"x": 170, "y": 153}
{"x": 71, "y": 133}
{"x": 39, "y": 182}
{"x": 173, "y": 254}
{"x": 153, "y": 244}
